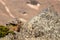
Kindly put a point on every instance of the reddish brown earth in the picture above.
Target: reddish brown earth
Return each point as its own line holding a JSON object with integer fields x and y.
{"x": 17, "y": 7}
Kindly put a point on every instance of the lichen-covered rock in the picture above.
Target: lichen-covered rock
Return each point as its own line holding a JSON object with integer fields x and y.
{"x": 44, "y": 26}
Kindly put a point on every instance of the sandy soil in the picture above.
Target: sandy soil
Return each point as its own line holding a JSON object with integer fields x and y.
{"x": 18, "y": 8}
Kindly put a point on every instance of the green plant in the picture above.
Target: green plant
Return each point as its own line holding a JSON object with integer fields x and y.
{"x": 4, "y": 31}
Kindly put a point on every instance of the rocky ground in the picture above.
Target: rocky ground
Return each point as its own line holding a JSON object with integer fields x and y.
{"x": 44, "y": 26}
